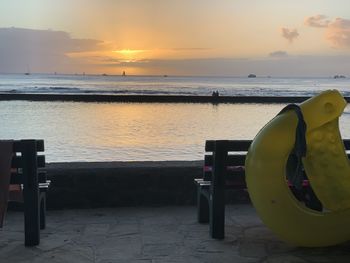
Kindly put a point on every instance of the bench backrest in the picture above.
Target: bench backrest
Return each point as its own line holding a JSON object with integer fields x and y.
{"x": 26, "y": 160}
{"x": 232, "y": 154}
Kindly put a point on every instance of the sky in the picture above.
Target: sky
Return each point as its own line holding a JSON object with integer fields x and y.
{"x": 182, "y": 37}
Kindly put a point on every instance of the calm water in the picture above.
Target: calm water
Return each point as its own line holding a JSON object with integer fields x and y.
{"x": 142, "y": 131}
{"x": 126, "y": 132}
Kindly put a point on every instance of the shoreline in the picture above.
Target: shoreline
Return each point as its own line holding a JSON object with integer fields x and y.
{"x": 152, "y": 98}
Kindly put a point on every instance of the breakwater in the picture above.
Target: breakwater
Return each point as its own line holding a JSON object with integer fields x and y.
{"x": 153, "y": 98}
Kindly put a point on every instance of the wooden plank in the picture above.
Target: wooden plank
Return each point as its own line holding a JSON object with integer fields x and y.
{"x": 243, "y": 145}
{"x": 232, "y": 160}
{"x": 17, "y": 161}
{"x": 18, "y": 146}
{"x": 231, "y": 145}
{"x": 40, "y": 145}
{"x": 204, "y": 183}
{"x": 17, "y": 178}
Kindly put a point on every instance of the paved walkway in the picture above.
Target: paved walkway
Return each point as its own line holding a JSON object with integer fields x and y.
{"x": 158, "y": 234}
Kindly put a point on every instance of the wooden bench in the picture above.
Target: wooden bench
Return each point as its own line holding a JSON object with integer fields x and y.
{"x": 28, "y": 174}
{"x": 223, "y": 169}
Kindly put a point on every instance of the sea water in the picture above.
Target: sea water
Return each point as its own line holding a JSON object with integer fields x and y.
{"x": 79, "y": 131}
{"x": 160, "y": 85}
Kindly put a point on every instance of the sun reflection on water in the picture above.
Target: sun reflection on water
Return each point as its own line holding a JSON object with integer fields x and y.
{"x": 133, "y": 131}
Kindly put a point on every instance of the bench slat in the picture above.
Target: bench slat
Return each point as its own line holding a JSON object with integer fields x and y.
{"x": 232, "y": 160}
{"x": 18, "y": 146}
{"x": 17, "y": 161}
{"x": 243, "y": 145}
{"x": 232, "y": 145}
{"x": 18, "y": 178}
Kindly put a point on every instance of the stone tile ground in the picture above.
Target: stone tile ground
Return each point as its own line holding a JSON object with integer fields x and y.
{"x": 155, "y": 234}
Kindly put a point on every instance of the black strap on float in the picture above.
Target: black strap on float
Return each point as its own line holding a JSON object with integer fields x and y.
{"x": 294, "y": 167}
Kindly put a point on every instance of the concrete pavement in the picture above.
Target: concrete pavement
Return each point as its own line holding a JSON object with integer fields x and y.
{"x": 154, "y": 234}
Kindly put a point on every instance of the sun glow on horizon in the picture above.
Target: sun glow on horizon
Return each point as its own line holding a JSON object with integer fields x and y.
{"x": 131, "y": 55}
{"x": 127, "y": 52}
{"x": 175, "y": 37}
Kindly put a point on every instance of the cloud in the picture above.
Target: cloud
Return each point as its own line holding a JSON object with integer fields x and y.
{"x": 49, "y": 51}
{"x": 289, "y": 34}
{"x": 338, "y": 32}
{"x": 41, "y": 50}
{"x": 317, "y": 21}
{"x": 278, "y": 54}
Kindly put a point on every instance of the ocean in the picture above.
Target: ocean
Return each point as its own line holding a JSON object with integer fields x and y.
{"x": 81, "y": 131}
{"x": 160, "y": 85}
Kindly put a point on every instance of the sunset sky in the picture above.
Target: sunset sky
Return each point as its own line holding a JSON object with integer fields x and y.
{"x": 182, "y": 37}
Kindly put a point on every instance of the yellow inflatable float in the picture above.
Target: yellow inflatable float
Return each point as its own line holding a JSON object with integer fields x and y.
{"x": 326, "y": 165}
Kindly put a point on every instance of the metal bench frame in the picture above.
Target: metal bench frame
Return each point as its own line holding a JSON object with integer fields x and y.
{"x": 29, "y": 172}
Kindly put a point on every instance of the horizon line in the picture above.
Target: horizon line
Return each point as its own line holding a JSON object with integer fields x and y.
{"x": 165, "y": 75}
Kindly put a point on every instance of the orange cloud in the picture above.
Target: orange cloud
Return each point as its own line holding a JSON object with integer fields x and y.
{"x": 289, "y": 34}
{"x": 337, "y": 31}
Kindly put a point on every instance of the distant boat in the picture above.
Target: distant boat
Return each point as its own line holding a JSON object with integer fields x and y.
{"x": 28, "y": 71}
{"x": 339, "y": 77}
{"x": 104, "y": 74}
{"x": 123, "y": 74}
{"x": 251, "y": 76}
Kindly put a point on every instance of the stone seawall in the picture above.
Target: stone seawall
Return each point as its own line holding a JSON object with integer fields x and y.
{"x": 153, "y": 98}
{"x": 110, "y": 184}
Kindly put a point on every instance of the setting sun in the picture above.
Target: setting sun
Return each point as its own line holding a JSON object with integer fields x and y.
{"x": 128, "y": 52}
{"x": 130, "y": 55}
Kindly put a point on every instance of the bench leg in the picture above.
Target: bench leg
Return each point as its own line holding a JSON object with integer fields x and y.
{"x": 30, "y": 194}
{"x": 217, "y": 217}
{"x": 42, "y": 210}
{"x": 217, "y": 190}
{"x": 202, "y": 206}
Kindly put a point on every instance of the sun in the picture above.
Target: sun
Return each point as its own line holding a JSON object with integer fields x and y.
{"x": 129, "y": 51}
{"x": 130, "y": 54}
